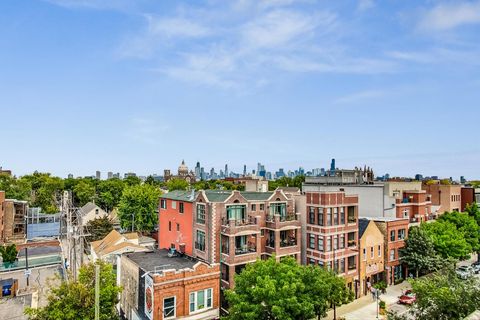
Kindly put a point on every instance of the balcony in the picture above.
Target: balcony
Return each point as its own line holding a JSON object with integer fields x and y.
{"x": 233, "y": 226}
{"x": 248, "y": 248}
{"x": 280, "y": 221}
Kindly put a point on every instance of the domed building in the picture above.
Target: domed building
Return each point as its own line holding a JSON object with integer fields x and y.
{"x": 183, "y": 174}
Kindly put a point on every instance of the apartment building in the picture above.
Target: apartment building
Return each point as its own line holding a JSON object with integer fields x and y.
{"x": 175, "y": 227}
{"x": 415, "y": 205}
{"x": 236, "y": 228}
{"x": 372, "y": 254}
{"x": 395, "y": 231}
{"x": 159, "y": 286}
{"x": 447, "y": 197}
{"x": 467, "y": 197}
{"x": 332, "y": 233}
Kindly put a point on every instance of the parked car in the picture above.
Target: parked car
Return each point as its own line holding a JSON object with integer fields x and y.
{"x": 464, "y": 272}
{"x": 408, "y": 297}
{"x": 476, "y": 267}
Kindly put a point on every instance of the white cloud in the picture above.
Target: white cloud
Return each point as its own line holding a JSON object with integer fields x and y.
{"x": 360, "y": 96}
{"x": 176, "y": 27}
{"x": 449, "y": 16}
{"x": 365, "y": 4}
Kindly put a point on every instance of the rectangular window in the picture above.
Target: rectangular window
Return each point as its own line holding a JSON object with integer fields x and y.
{"x": 392, "y": 235}
{"x": 169, "y": 225}
{"x": 200, "y": 213}
{"x": 335, "y": 216}
{"x": 262, "y": 206}
{"x": 200, "y": 241}
{"x": 371, "y": 253}
{"x": 320, "y": 216}
{"x": 311, "y": 215}
{"x": 335, "y": 242}
{"x": 311, "y": 243}
{"x": 320, "y": 243}
{"x": 236, "y": 212}
{"x": 329, "y": 244}
{"x": 163, "y": 204}
{"x": 392, "y": 254}
{"x": 341, "y": 241}
{"x": 180, "y": 207}
{"x": 178, "y": 226}
{"x": 311, "y": 261}
{"x": 401, "y": 234}
{"x": 342, "y": 216}
{"x": 379, "y": 251}
{"x": 174, "y": 204}
{"x": 364, "y": 254}
{"x": 254, "y": 207}
{"x": 169, "y": 308}
{"x": 200, "y": 300}
{"x": 342, "y": 266}
{"x": 329, "y": 216}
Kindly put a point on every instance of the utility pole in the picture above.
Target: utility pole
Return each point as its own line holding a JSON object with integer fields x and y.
{"x": 27, "y": 274}
{"x": 97, "y": 292}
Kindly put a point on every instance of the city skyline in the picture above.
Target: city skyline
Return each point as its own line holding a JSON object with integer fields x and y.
{"x": 138, "y": 85}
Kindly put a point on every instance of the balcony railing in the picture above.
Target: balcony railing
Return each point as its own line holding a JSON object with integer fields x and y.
{"x": 282, "y": 218}
{"x": 239, "y": 222}
{"x": 245, "y": 249}
{"x": 288, "y": 243}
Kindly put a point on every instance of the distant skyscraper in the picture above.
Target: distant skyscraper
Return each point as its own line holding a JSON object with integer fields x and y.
{"x": 244, "y": 170}
{"x": 70, "y": 176}
{"x": 109, "y": 175}
{"x": 226, "y": 171}
{"x": 198, "y": 171}
{"x": 418, "y": 177}
{"x": 332, "y": 167}
{"x": 98, "y": 175}
{"x": 202, "y": 173}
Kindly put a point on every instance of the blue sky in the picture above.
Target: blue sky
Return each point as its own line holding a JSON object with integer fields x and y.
{"x": 124, "y": 85}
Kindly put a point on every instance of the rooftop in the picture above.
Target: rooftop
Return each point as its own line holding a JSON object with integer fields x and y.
{"x": 180, "y": 195}
{"x": 159, "y": 259}
{"x": 222, "y": 195}
{"x": 362, "y": 226}
{"x": 385, "y": 219}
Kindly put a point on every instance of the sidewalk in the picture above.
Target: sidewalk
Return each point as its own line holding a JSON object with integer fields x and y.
{"x": 365, "y": 308}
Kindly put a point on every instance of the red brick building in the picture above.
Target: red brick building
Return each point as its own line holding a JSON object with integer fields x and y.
{"x": 415, "y": 205}
{"x": 157, "y": 286}
{"x": 467, "y": 197}
{"x": 332, "y": 233}
{"x": 447, "y": 197}
{"x": 395, "y": 231}
{"x": 175, "y": 226}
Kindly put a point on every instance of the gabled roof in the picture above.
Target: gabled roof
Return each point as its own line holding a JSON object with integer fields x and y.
{"x": 222, "y": 195}
{"x": 217, "y": 195}
{"x": 115, "y": 241}
{"x": 362, "y": 226}
{"x": 88, "y": 207}
{"x": 180, "y": 195}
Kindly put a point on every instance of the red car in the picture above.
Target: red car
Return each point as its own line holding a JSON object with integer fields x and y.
{"x": 407, "y": 298}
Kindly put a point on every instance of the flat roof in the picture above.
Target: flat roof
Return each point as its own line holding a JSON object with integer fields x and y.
{"x": 159, "y": 259}
{"x": 383, "y": 219}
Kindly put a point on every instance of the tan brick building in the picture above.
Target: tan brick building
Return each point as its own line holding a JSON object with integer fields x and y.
{"x": 13, "y": 217}
{"x": 372, "y": 254}
{"x": 157, "y": 286}
{"x": 447, "y": 197}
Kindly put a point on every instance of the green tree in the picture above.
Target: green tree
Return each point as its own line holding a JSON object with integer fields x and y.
{"x": 284, "y": 290}
{"x": 474, "y": 211}
{"x": 132, "y": 181}
{"x": 84, "y": 192}
{"x": 139, "y": 205}
{"x": 15, "y": 188}
{"x": 74, "y": 300}
{"x": 443, "y": 296}
{"x": 109, "y": 193}
{"x": 177, "y": 184}
{"x": 98, "y": 228}
{"x": 447, "y": 240}
{"x": 270, "y": 290}
{"x": 45, "y": 190}
{"x": 419, "y": 252}
{"x": 9, "y": 254}
{"x": 466, "y": 224}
